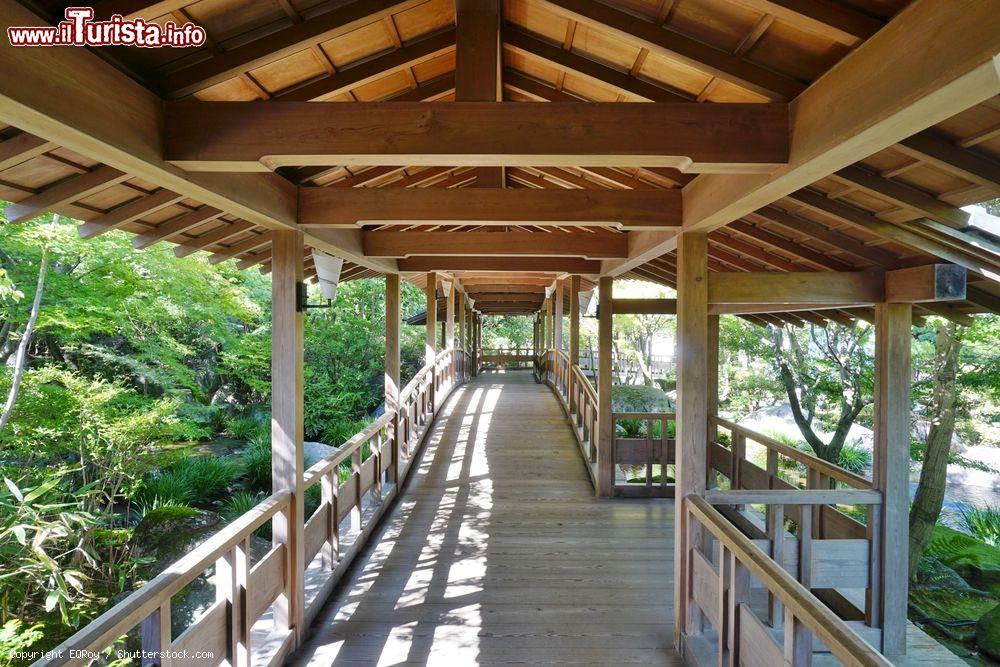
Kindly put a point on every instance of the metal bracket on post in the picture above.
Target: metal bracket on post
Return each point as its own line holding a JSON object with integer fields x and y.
{"x": 302, "y": 299}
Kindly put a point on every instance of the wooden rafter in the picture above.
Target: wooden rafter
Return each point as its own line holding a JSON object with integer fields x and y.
{"x": 597, "y": 245}
{"x": 891, "y": 87}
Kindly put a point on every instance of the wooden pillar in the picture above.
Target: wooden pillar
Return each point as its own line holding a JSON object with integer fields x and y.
{"x": 891, "y": 465}
{"x": 712, "y": 383}
{"x": 557, "y": 323}
{"x": 543, "y": 320}
{"x": 606, "y": 427}
{"x": 287, "y": 431}
{"x": 574, "y": 321}
{"x": 430, "y": 347}
{"x": 461, "y": 319}
{"x": 692, "y": 414}
{"x": 392, "y": 324}
{"x": 551, "y": 328}
{"x": 449, "y": 318}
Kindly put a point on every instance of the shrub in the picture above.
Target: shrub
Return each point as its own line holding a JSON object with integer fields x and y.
{"x": 855, "y": 458}
{"x": 167, "y": 486}
{"x": 983, "y": 522}
{"x": 240, "y": 503}
{"x": 157, "y": 510}
{"x": 257, "y": 464}
{"x": 206, "y": 477}
{"x": 242, "y": 427}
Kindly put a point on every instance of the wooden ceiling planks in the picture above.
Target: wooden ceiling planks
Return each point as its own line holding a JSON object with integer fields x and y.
{"x": 932, "y": 172}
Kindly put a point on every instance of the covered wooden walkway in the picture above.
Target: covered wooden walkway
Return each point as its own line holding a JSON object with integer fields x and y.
{"x": 498, "y": 552}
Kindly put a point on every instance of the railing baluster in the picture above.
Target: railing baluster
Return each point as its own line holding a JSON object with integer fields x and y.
{"x": 155, "y": 636}
{"x": 231, "y": 575}
{"x": 776, "y": 534}
{"x": 358, "y": 495}
{"x": 329, "y": 488}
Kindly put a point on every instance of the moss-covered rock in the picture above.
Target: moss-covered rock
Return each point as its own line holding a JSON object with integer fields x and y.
{"x": 988, "y": 633}
{"x": 976, "y": 561}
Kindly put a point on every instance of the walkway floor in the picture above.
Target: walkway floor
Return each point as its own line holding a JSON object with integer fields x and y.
{"x": 499, "y": 553}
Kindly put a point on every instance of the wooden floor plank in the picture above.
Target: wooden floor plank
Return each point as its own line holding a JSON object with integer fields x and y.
{"x": 499, "y": 553}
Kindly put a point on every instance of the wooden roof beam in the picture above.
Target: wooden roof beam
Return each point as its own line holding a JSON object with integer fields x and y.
{"x": 176, "y": 226}
{"x": 285, "y": 42}
{"x": 346, "y": 207}
{"x": 21, "y": 148}
{"x": 932, "y": 148}
{"x": 372, "y": 69}
{"x": 905, "y": 196}
{"x": 502, "y": 264}
{"x": 129, "y": 212}
{"x": 831, "y": 20}
{"x": 65, "y": 192}
{"x": 218, "y": 235}
{"x": 250, "y": 136}
{"x": 904, "y": 234}
{"x": 596, "y": 245}
{"x": 520, "y": 41}
{"x": 889, "y": 88}
{"x": 677, "y": 47}
{"x": 111, "y": 118}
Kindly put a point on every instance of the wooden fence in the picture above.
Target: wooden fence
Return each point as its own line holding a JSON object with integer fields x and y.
{"x": 358, "y": 482}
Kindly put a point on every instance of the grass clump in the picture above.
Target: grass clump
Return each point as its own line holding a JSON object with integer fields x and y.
{"x": 983, "y": 522}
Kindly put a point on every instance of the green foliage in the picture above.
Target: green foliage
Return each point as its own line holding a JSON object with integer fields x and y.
{"x": 257, "y": 464}
{"x": 855, "y": 458}
{"x": 508, "y": 331}
{"x": 15, "y": 638}
{"x": 242, "y": 427}
{"x": 43, "y": 555}
{"x": 165, "y": 487}
{"x": 983, "y": 522}
{"x": 157, "y": 510}
{"x": 977, "y": 561}
{"x": 240, "y": 503}
{"x": 205, "y": 477}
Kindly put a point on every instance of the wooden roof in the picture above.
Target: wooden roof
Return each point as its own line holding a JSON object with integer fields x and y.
{"x": 897, "y": 207}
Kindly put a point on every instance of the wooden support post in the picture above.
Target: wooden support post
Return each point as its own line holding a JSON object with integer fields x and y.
{"x": 891, "y": 464}
{"x": 287, "y": 466}
{"x": 430, "y": 347}
{"x": 605, "y": 424}
{"x": 460, "y": 297}
{"x": 692, "y": 415}
{"x": 557, "y": 322}
{"x": 392, "y": 378}
{"x": 449, "y": 318}
{"x": 712, "y": 384}
{"x": 574, "y": 320}
{"x": 574, "y": 342}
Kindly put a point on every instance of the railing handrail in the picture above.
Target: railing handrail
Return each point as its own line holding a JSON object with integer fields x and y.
{"x": 125, "y": 615}
{"x": 645, "y": 415}
{"x": 585, "y": 383}
{"x": 836, "y": 635}
{"x": 323, "y": 466}
{"x": 810, "y": 461}
{"x": 417, "y": 379}
{"x": 793, "y": 497}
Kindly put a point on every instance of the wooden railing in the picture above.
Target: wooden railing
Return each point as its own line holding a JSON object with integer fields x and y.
{"x": 244, "y": 625}
{"x": 521, "y": 357}
{"x": 726, "y": 567}
{"x": 651, "y": 450}
{"x": 831, "y": 552}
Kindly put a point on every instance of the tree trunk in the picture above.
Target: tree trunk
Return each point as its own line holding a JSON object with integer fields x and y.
{"x": 20, "y": 361}
{"x": 929, "y": 497}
